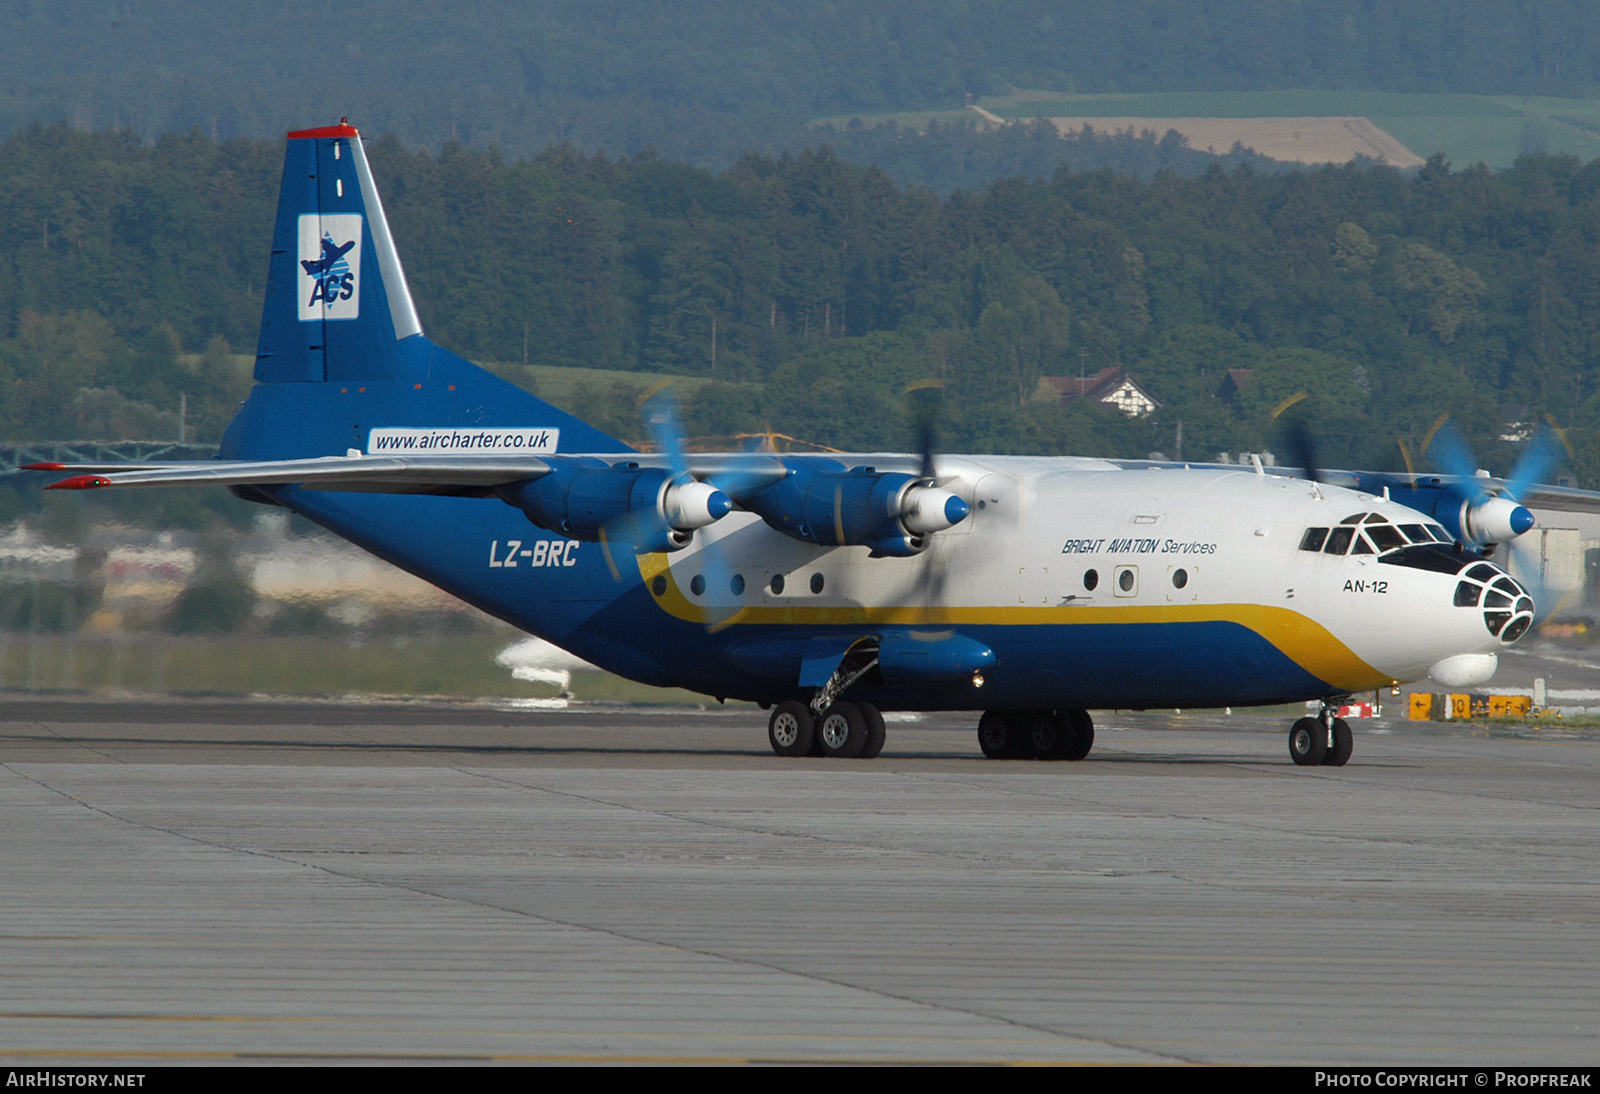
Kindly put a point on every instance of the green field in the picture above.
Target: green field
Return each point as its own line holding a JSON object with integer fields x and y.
{"x": 1468, "y": 129}
{"x": 454, "y": 667}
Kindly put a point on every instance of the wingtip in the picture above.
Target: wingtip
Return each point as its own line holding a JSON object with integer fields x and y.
{"x": 80, "y": 482}
{"x": 44, "y": 467}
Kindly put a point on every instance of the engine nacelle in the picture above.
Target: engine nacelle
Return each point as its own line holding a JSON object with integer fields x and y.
{"x": 1495, "y": 520}
{"x": 586, "y": 498}
{"x": 1484, "y": 523}
{"x": 892, "y": 513}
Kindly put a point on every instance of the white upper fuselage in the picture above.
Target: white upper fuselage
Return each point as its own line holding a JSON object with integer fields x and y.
{"x": 1066, "y": 541}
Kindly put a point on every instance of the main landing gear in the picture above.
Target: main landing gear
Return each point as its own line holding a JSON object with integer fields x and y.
{"x": 1040, "y": 734}
{"x": 1323, "y": 741}
{"x": 847, "y": 730}
{"x": 843, "y": 731}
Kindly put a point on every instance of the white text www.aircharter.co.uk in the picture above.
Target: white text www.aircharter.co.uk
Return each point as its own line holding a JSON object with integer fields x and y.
{"x": 462, "y": 442}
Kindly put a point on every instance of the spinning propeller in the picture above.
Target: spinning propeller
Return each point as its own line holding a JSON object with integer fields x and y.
{"x": 1489, "y": 516}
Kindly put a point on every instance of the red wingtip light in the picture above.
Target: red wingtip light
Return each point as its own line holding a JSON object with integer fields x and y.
{"x": 44, "y": 467}
{"x": 80, "y": 482}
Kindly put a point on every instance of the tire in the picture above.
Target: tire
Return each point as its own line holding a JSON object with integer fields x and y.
{"x": 1082, "y": 735}
{"x": 1344, "y": 743}
{"x": 842, "y": 729}
{"x": 1051, "y": 735}
{"x": 997, "y": 734}
{"x": 1308, "y": 742}
{"x": 877, "y": 733}
{"x": 791, "y": 729}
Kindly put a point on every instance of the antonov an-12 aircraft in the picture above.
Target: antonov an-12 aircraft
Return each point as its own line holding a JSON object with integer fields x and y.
{"x": 831, "y": 588}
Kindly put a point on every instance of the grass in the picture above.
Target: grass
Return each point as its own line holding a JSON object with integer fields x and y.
{"x": 145, "y": 664}
{"x": 1468, "y": 129}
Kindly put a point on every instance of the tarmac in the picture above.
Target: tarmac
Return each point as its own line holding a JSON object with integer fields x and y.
{"x": 257, "y": 881}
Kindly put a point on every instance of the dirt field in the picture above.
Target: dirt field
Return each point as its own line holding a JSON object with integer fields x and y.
{"x": 1297, "y": 140}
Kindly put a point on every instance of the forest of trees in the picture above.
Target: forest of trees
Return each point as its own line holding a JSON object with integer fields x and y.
{"x": 130, "y": 275}
{"x": 703, "y": 83}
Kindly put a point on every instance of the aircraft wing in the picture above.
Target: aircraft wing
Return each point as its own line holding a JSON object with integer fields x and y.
{"x": 737, "y": 473}
{"x": 383, "y": 474}
{"x": 1561, "y": 499}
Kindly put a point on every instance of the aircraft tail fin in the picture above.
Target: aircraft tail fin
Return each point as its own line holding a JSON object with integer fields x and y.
{"x": 342, "y": 363}
{"x": 337, "y": 300}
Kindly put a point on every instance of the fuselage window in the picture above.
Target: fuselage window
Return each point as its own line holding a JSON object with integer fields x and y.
{"x": 1125, "y": 580}
{"x": 1467, "y": 595}
{"x": 1180, "y": 578}
{"x": 1339, "y": 541}
{"x": 777, "y": 584}
{"x": 816, "y": 583}
{"x": 736, "y": 584}
{"x": 1313, "y": 539}
{"x": 697, "y": 584}
{"x": 1091, "y": 578}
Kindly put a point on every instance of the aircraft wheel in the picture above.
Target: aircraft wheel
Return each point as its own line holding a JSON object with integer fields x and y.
{"x": 1082, "y": 735}
{"x": 842, "y": 729}
{"x": 1051, "y": 735}
{"x": 877, "y": 733}
{"x": 1344, "y": 743}
{"x": 1000, "y": 734}
{"x": 1308, "y": 742}
{"x": 791, "y": 729}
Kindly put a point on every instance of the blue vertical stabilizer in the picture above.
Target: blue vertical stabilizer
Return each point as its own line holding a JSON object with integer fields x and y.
{"x": 341, "y": 352}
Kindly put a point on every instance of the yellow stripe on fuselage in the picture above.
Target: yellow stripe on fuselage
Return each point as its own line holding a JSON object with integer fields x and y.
{"x": 1301, "y": 639}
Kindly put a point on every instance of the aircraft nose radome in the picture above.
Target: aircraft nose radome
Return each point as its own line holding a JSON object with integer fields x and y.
{"x": 956, "y": 510}
{"x": 1521, "y": 520}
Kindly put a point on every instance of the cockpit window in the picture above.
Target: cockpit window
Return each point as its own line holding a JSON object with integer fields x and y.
{"x": 1385, "y": 537}
{"x": 1353, "y": 519}
{"x": 1339, "y": 541}
{"x": 1377, "y": 518}
{"x": 1440, "y": 534}
{"x": 1361, "y": 546}
{"x": 1313, "y": 539}
{"x": 1416, "y": 533}
{"x": 1428, "y": 556}
{"x": 1482, "y": 572}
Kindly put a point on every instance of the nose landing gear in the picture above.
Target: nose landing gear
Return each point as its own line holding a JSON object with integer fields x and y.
{"x": 1323, "y": 741}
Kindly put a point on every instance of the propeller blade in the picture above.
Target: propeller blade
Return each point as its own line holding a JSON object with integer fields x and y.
{"x": 927, "y": 399}
{"x": 1411, "y": 467}
{"x": 927, "y": 404}
{"x": 1301, "y": 442}
{"x": 1542, "y": 455}
{"x": 660, "y": 414}
{"x": 1447, "y": 448}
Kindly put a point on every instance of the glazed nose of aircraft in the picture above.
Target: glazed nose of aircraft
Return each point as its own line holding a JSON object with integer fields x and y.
{"x": 1506, "y": 606}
